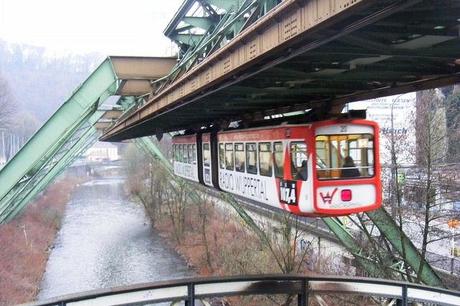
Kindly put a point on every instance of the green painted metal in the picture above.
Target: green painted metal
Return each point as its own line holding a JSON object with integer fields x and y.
{"x": 203, "y": 23}
{"x": 188, "y": 38}
{"x": 230, "y": 23}
{"x": 47, "y": 161}
{"x": 44, "y": 155}
{"x": 390, "y": 229}
{"x": 225, "y": 4}
{"x": 349, "y": 242}
{"x": 14, "y": 202}
{"x": 65, "y": 119}
{"x": 89, "y": 138}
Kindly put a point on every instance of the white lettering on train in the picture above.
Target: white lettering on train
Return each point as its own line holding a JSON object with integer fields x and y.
{"x": 244, "y": 185}
{"x": 288, "y": 192}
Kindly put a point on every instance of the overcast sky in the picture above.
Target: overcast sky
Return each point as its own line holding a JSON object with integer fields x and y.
{"x": 110, "y": 27}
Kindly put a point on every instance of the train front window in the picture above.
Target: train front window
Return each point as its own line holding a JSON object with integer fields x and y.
{"x": 344, "y": 156}
{"x": 299, "y": 160}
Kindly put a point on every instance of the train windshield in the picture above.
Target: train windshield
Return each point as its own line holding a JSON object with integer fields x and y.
{"x": 344, "y": 156}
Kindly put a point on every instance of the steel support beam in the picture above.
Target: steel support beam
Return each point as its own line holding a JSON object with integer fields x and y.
{"x": 410, "y": 254}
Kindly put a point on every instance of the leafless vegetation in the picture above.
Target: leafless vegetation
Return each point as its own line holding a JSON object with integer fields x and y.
{"x": 25, "y": 243}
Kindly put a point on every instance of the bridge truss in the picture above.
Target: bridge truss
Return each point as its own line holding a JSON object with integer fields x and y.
{"x": 248, "y": 60}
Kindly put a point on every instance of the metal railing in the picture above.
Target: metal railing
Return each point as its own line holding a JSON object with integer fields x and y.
{"x": 191, "y": 290}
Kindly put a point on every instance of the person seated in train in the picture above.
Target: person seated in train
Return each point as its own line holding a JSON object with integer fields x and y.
{"x": 302, "y": 171}
{"x": 350, "y": 168}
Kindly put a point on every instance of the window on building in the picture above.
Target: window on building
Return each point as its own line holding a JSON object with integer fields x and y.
{"x": 299, "y": 158}
{"x": 240, "y": 157}
{"x": 265, "y": 159}
{"x": 278, "y": 154}
{"x": 251, "y": 158}
{"x": 206, "y": 155}
{"x": 229, "y": 164}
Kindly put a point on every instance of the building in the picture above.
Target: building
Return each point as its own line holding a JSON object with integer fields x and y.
{"x": 396, "y": 118}
{"x": 102, "y": 151}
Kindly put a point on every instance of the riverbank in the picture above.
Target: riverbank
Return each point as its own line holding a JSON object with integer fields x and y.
{"x": 106, "y": 241}
{"x": 26, "y": 240}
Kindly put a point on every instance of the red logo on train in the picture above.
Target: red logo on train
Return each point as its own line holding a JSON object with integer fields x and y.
{"x": 327, "y": 198}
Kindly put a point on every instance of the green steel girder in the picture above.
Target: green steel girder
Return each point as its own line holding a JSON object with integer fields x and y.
{"x": 87, "y": 139}
{"x": 204, "y": 23}
{"x": 59, "y": 147}
{"x": 409, "y": 253}
{"x": 353, "y": 247}
{"x": 12, "y": 199}
{"x": 230, "y": 23}
{"x": 25, "y": 174}
{"x": 188, "y": 38}
{"x": 226, "y": 5}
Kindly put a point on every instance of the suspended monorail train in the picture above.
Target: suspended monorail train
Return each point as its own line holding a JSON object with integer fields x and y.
{"x": 326, "y": 168}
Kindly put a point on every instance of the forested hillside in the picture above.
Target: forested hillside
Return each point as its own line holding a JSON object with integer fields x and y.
{"x": 33, "y": 85}
{"x": 39, "y": 84}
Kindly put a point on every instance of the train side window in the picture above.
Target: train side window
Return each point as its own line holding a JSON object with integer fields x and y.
{"x": 181, "y": 153}
{"x": 265, "y": 158}
{"x": 175, "y": 152}
{"x": 190, "y": 154}
{"x": 194, "y": 154}
{"x": 239, "y": 157}
{"x": 229, "y": 162}
{"x": 221, "y": 156}
{"x": 299, "y": 158}
{"x": 206, "y": 155}
{"x": 186, "y": 154}
{"x": 278, "y": 154}
{"x": 251, "y": 158}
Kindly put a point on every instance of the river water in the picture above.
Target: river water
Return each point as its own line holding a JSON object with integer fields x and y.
{"x": 106, "y": 241}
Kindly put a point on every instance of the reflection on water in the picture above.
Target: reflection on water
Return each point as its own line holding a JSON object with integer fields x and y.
{"x": 106, "y": 241}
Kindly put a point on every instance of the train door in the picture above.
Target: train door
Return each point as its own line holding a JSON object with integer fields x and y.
{"x": 295, "y": 177}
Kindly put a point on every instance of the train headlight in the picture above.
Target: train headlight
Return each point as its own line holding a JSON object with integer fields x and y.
{"x": 346, "y": 195}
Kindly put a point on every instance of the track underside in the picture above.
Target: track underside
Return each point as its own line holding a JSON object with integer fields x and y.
{"x": 289, "y": 61}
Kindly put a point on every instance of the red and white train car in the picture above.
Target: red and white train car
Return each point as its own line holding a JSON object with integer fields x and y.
{"x": 326, "y": 168}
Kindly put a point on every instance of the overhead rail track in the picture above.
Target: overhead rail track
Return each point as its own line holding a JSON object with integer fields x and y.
{"x": 305, "y": 288}
{"x": 247, "y": 63}
{"x": 74, "y": 127}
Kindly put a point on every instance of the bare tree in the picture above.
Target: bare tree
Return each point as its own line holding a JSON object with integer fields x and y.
{"x": 6, "y": 105}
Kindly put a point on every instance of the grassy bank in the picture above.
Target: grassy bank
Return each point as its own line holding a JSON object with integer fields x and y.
{"x": 25, "y": 243}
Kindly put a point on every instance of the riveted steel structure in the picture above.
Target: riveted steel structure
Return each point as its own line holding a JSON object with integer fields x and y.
{"x": 243, "y": 60}
{"x": 74, "y": 127}
{"x": 247, "y": 59}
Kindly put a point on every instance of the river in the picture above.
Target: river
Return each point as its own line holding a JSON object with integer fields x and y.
{"x": 106, "y": 241}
